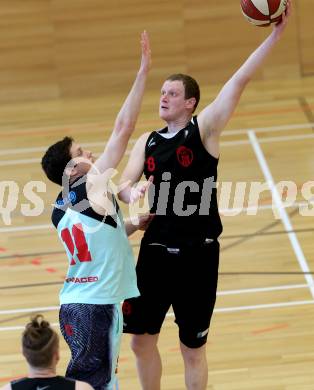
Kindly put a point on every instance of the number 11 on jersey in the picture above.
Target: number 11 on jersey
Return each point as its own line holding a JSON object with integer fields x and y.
{"x": 76, "y": 241}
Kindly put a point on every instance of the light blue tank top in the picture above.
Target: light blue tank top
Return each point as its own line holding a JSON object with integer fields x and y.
{"x": 101, "y": 263}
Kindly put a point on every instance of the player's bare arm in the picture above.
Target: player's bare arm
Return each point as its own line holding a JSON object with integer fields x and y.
{"x": 126, "y": 118}
{"x": 123, "y": 129}
{"x": 133, "y": 170}
{"x": 213, "y": 118}
{"x": 142, "y": 222}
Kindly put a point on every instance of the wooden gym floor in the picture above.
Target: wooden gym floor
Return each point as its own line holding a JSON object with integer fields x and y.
{"x": 262, "y": 334}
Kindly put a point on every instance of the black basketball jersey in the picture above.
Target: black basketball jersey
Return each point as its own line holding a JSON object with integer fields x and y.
{"x": 185, "y": 194}
{"x": 54, "y": 383}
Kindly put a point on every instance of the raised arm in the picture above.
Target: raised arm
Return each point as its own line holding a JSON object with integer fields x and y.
{"x": 127, "y": 117}
{"x": 213, "y": 118}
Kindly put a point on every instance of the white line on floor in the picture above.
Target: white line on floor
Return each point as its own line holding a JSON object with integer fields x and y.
{"x": 281, "y": 210}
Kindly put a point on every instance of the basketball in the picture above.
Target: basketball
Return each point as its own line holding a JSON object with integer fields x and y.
{"x": 263, "y": 12}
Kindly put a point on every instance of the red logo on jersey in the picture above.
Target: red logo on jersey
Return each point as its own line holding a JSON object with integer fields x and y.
{"x": 150, "y": 162}
{"x": 184, "y": 156}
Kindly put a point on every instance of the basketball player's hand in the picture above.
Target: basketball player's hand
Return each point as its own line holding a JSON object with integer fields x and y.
{"x": 146, "y": 52}
{"x": 280, "y": 26}
{"x": 139, "y": 191}
{"x": 144, "y": 221}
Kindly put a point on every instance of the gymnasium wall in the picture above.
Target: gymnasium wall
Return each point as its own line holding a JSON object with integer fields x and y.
{"x": 305, "y": 36}
{"x": 80, "y": 48}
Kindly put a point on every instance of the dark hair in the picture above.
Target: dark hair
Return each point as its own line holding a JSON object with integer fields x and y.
{"x": 191, "y": 86}
{"x": 39, "y": 342}
{"x": 56, "y": 158}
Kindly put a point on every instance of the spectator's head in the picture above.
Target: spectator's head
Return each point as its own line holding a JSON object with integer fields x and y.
{"x": 40, "y": 344}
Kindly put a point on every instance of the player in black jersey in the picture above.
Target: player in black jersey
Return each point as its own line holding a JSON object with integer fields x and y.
{"x": 40, "y": 346}
{"x": 179, "y": 254}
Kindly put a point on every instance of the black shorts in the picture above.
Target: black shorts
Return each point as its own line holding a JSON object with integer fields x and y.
{"x": 184, "y": 277}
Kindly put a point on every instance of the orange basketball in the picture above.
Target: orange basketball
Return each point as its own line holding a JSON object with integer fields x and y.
{"x": 263, "y": 12}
